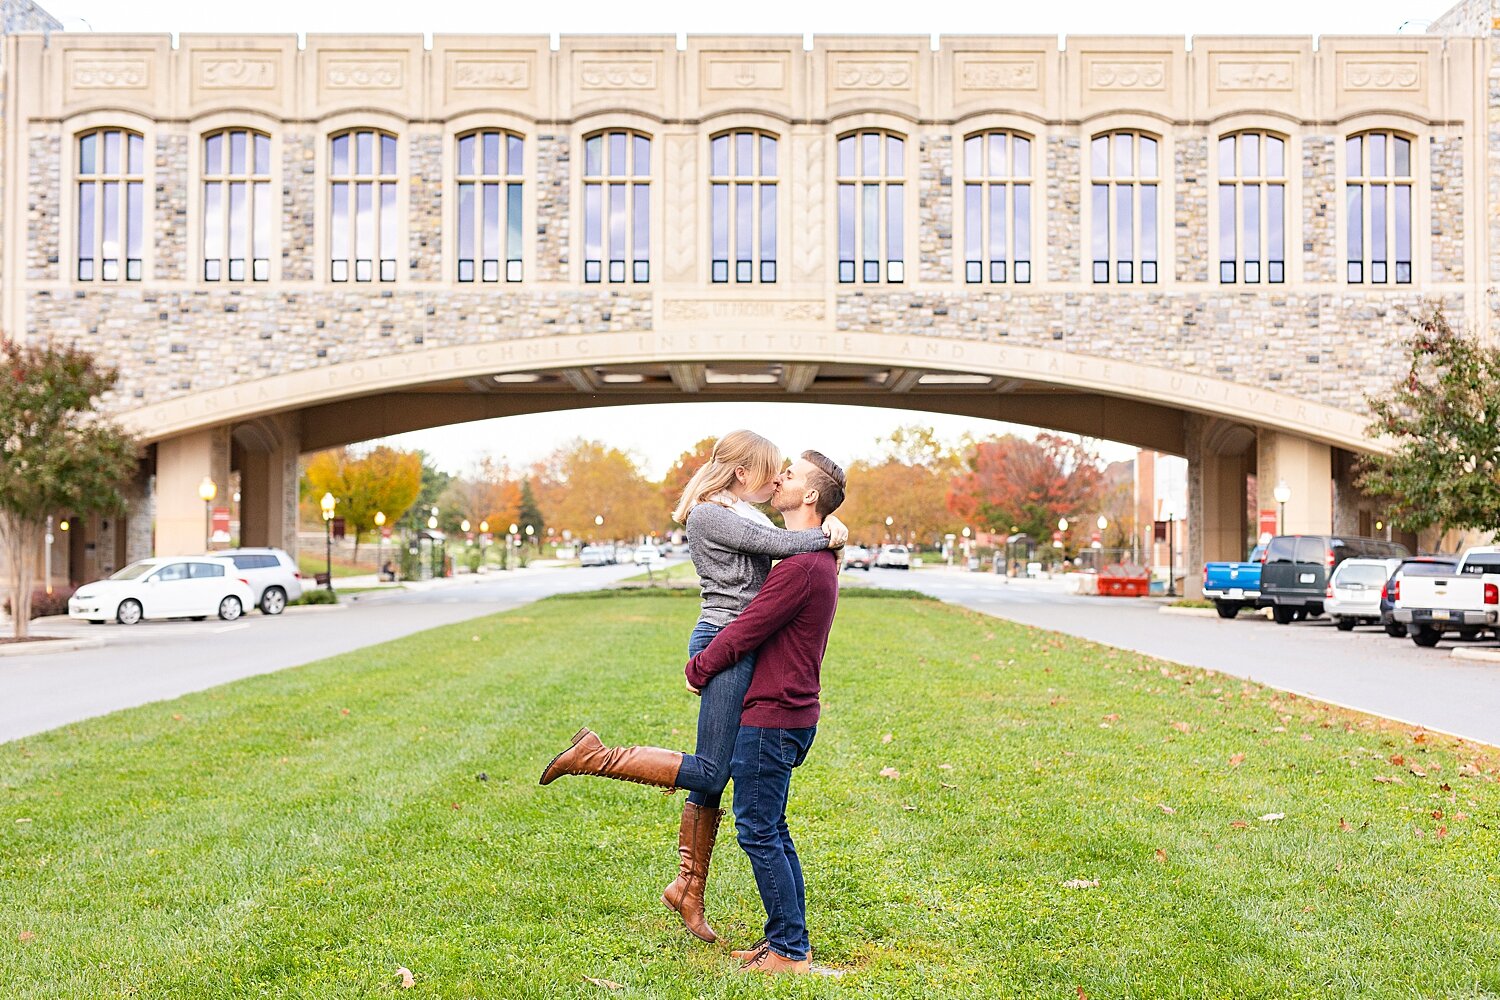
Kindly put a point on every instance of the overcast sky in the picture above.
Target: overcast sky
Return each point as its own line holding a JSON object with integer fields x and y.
{"x": 657, "y": 434}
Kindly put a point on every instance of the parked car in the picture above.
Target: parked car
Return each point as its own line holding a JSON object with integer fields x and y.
{"x": 1420, "y": 565}
{"x": 596, "y": 555}
{"x": 164, "y": 587}
{"x": 858, "y": 557}
{"x": 1354, "y": 589}
{"x": 272, "y": 574}
{"x": 1234, "y": 585}
{"x": 893, "y": 557}
{"x": 648, "y": 555}
{"x": 1466, "y": 599}
{"x": 1294, "y": 575}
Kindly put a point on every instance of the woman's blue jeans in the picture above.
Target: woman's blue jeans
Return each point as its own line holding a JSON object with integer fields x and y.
{"x": 705, "y": 772}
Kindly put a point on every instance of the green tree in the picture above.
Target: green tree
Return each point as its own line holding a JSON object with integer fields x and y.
{"x": 1442, "y": 418}
{"x": 57, "y": 454}
{"x": 530, "y": 513}
{"x": 383, "y": 480}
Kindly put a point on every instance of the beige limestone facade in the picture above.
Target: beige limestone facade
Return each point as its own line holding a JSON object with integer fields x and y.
{"x": 1125, "y": 323}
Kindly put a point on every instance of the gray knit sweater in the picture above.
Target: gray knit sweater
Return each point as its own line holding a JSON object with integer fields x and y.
{"x": 733, "y": 556}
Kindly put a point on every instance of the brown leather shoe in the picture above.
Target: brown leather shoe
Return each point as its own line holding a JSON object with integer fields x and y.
{"x": 767, "y": 961}
{"x": 695, "y": 850}
{"x": 643, "y": 765}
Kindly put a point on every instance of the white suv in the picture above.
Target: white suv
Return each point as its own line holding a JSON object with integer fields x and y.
{"x": 272, "y": 574}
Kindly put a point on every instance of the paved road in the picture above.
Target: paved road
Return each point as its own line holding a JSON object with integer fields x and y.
{"x": 156, "y": 660}
{"x": 1364, "y": 669}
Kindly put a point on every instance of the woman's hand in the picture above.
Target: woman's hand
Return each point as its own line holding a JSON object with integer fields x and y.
{"x": 837, "y": 532}
{"x": 693, "y": 689}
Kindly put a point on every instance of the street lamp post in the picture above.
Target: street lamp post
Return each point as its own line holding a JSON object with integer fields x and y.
{"x": 327, "y": 503}
{"x": 207, "y": 490}
{"x": 1101, "y": 524}
{"x": 1282, "y": 493}
{"x": 484, "y": 533}
{"x": 1171, "y": 552}
{"x": 379, "y": 544}
{"x": 510, "y": 542}
{"x": 888, "y": 522}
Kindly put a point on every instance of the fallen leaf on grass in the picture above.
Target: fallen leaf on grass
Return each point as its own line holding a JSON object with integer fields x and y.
{"x": 1344, "y": 825}
{"x": 1081, "y": 883}
{"x": 1082, "y": 995}
{"x": 945, "y": 767}
{"x": 1441, "y": 831}
{"x": 910, "y": 809}
{"x": 1469, "y": 771}
{"x": 1161, "y": 856}
{"x": 886, "y": 738}
{"x": 1235, "y": 760}
{"x": 1112, "y": 717}
{"x": 1278, "y": 729}
{"x": 1419, "y": 772}
{"x": 890, "y": 772}
{"x": 1183, "y": 727}
{"x": 1388, "y": 779}
{"x": 1272, "y": 817}
{"x": 407, "y": 979}
{"x": 24, "y": 819}
{"x": 343, "y": 711}
{"x": 1397, "y": 760}
{"x": 946, "y": 785}
{"x": 608, "y": 984}
{"x": 27, "y": 936}
{"x": 1437, "y": 814}
{"x": 1419, "y": 737}
{"x": 1239, "y": 824}
{"x": 176, "y": 717}
{"x": 481, "y": 776}
{"x": 1166, "y": 809}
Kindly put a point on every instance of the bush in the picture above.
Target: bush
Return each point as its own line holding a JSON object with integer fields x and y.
{"x": 45, "y": 605}
{"x": 318, "y": 595}
{"x": 411, "y": 563}
{"x": 471, "y": 559}
{"x": 1191, "y": 603}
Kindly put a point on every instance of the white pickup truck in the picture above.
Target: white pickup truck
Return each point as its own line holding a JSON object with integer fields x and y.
{"x": 1465, "y": 599}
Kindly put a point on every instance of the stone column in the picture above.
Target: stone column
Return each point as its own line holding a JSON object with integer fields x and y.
{"x": 268, "y": 450}
{"x": 1307, "y": 469}
{"x": 139, "y": 516}
{"x": 181, "y": 464}
{"x": 1219, "y": 456}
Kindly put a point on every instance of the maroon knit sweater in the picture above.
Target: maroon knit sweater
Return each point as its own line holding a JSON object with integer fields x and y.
{"x": 788, "y": 622}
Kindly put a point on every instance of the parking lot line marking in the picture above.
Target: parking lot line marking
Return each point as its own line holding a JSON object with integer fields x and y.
{"x": 232, "y": 628}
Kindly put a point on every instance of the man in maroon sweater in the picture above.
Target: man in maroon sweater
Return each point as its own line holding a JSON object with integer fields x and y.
{"x": 788, "y": 622}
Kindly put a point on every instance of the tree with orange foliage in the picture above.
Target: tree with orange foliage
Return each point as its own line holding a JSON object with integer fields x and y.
{"x": 1010, "y": 482}
{"x": 587, "y": 479}
{"x": 488, "y": 493}
{"x": 689, "y": 462}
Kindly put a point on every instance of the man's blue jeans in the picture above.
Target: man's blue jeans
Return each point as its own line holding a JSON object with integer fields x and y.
{"x": 705, "y": 772}
{"x": 762, "y": 771}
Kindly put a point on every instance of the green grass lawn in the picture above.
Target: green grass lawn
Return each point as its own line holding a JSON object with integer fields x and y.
{"x": 305, "y": 833}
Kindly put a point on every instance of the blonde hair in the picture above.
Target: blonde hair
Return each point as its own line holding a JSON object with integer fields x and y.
{"x": 760, "y": 459}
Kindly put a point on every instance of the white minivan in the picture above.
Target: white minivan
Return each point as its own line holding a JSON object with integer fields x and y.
{"x": 164, "y": 587}
{"x": 272, "y": 574}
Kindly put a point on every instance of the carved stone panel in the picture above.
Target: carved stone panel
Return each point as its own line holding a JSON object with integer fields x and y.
{"x": 614, "y": 72}
{"x": 1109, "y": 73}
{"x": 342, "y": 72}
{"x": 1381, "y": 73}
{"x": 1251, "y": 73}
{"x": 723, "y": 73}
{"x": 217, "y": 71}
{"x": 849, "y": 75}
{"x": 474, "y": 72}
{"x": 808, "y": 190}
{"x": 682, "y": 250}
{"x": 88, "y": 73}
{"x": 976, "y": 74}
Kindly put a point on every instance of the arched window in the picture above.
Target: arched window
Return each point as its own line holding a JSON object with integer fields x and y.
{"x": 362, "y": 198}
{"x": 871, "y": 186}
{"x": 1378, "y": 200}
{"x": 1126, "y": 173}
{"x": 1252, "y": 208}
{"x": 237, "y": 206}
{"x": 490, "y": 174}
{"x": 742, "y": 188}
{"x": 111, "y": 204}
{"x": 617, "y": 206}
{"x": 997, "y": 207}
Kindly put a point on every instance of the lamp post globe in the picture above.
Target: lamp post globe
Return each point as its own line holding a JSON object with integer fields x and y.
{"x": 1062, "y": 524}
{"x": 379, "y": 542}
{"x": 1282, "y": 493}
{"x": 464, "y": 526}
{"x": 327, "y": 504}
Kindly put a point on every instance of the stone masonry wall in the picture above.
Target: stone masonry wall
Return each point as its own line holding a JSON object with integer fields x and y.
{"x": 425, "y": 236}
{"x": 1469, "y": 17}
{"x": 169, "y": 343}
{"x": 551, "y": 208}
{"x": 935, "y": 207}
{"x": 1332, "y": 348}
{"x": 297, "y": 211}
{"x": 1064, "y": 209}
{"x": 1190, "y": 224}
{"x": 43, "y": 178}
{"x": 171, "y": 231}
{"x": 1447, "y": 192}
{"x": 1319, "y": 216}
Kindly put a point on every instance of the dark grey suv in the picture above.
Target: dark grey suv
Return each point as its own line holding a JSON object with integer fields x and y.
{"x": 1295, "y": 570}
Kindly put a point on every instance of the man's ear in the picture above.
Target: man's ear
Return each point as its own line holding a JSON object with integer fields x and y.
{"x": 810, "y": 498}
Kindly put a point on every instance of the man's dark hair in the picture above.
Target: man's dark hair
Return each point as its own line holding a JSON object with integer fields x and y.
{"x": 828, "y": 480}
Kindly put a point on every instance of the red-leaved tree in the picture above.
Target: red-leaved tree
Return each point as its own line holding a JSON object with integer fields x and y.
{"x": 1009, "y": 482}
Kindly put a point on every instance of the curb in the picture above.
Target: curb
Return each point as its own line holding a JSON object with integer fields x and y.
{"x": 1167, "y": 609}
{"x": 1476, "y": 655}
{"x": 54, "y": 646}
{"x": 303, "y": 609}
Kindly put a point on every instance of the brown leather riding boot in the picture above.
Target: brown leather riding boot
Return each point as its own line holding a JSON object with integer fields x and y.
{"x": 695, "y": 850}
{"x": 643, "y": 765}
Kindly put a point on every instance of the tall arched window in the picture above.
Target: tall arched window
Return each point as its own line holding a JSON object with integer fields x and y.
{"x": 1126, "y": 173}
{"x": 1378, "y": 200}
{"x": 111, "y": 204}
{"x": 1252, "y": 207}
{"x": 742, "y": 189}
{"x": 617, "y": 206}
{"x": 997, "y": 207}
{"x": 362, "y": 198}
{"x": 237, "y": 206}
{"x": 871, "y": 186}
{"x": 490, "y": 174}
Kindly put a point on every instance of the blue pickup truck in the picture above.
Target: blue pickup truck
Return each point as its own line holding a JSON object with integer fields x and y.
{"x": 1234, "y": 585}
